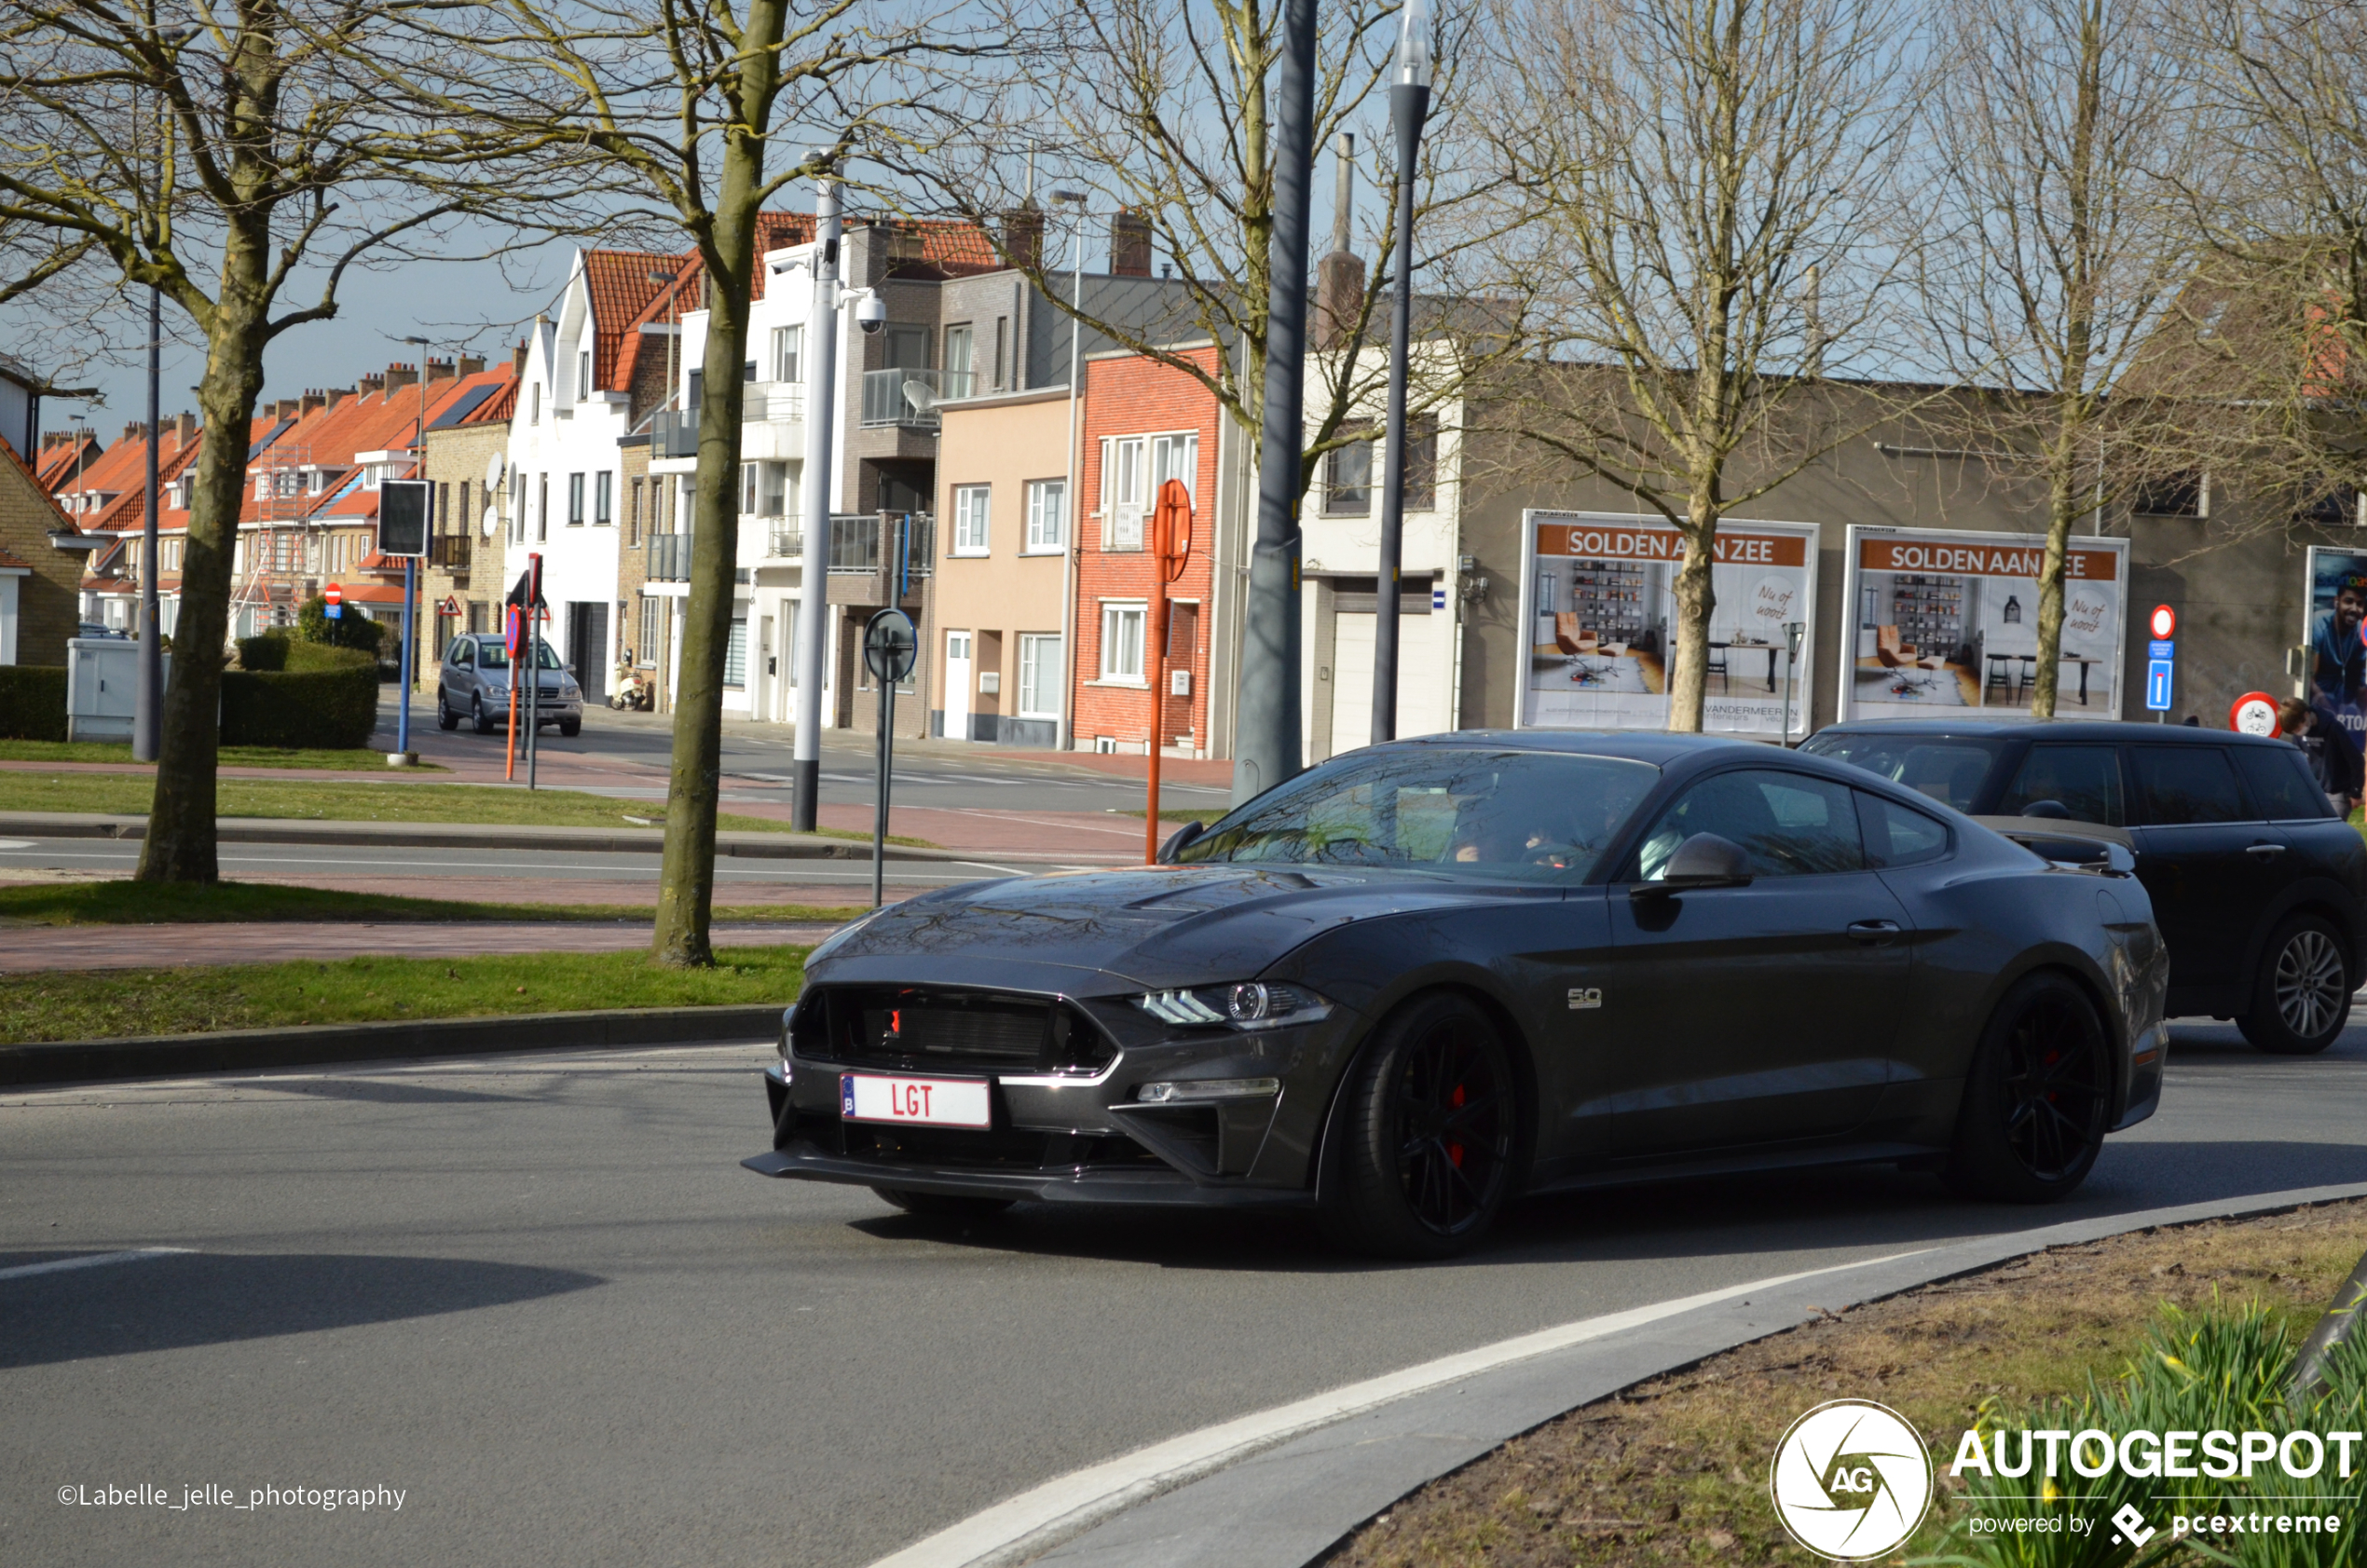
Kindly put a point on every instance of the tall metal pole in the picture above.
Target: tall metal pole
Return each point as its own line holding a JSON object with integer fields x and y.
{"x": 1066, "y": 735}
{"x": 886, "y": 761}
{"x": 147, "y": 690}
{"x": 814, "y": 586}
{"x": 1409, "y": 106}
{"x": 402, "y": 702}
{"x": 1266, "y": 739}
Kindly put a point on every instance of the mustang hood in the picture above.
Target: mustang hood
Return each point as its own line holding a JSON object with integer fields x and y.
{"x": 1156, "y": 927}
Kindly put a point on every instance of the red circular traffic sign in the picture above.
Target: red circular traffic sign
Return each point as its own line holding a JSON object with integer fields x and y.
{"x": 334, "y": 595}
{"x": 2165, "y": 622}
{"x": 2255, "y": 713}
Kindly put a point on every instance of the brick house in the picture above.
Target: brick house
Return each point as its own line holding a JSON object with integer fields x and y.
{"x": 39, "y": 581}
{"x": 1144, "y": 422}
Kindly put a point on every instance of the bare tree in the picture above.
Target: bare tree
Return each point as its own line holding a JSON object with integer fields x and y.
{"x": 1160, "y": 113}
{"x": 2060, "y": 122}
{"x": 1705, "y": 185}
{"x": 245, "y": 159}
{"x": 683, "y": 99}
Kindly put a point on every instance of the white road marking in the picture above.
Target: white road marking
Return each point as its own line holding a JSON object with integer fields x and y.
{"x": 92, "y": 1260}
{"x": 16, "y": 844}
{"x": 1061, "y": 1509}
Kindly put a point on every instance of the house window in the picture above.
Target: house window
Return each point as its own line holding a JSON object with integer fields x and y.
{"x": 735, "y": 653}
{"x": 542, "y": 506}
{"x": 1421, "y": 464}
{"x": 959, "y": 352}
{"x": 1047, "y": 516}
{"x": 534, "y": 403}
{"x": 467, "y": 522}
{"x": 789, "y": 353}
{"x": 584, "y": 376}
{"x": 1039, "y": 677}
{"x": 1348, "y": 480}
{"x": 603, "y": 499}
{"x": 517, "y": 507}
{"x": 633, "y": 516}
{"x": 316, "y": 480}
{"x": 969, "y": 518}
{"x": 575, "y": 500}
{"x": 1001, "y": 351}
{"x": 651, "y": 615}
{"x": 1122, "y": 642}
{"x": 1123, "y": 494}
{"x": 443, "y": 508}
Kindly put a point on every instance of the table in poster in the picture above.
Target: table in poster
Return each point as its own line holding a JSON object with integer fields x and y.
{"x": 1772, "y": 650}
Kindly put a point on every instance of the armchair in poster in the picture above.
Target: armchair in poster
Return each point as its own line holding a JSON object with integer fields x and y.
{"x": 1942, "y": 618}
{"x": 2337, "y": 653}
{"x": 1599, "y": 599}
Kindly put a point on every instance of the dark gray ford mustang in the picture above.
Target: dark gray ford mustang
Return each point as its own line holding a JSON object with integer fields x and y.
{"x": 1426, "y": 976}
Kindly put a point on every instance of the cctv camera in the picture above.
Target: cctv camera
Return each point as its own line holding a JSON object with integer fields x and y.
{"x": 870, "y": 314}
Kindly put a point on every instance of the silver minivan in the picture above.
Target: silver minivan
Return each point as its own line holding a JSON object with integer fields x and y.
{"x": 476, "y": 686}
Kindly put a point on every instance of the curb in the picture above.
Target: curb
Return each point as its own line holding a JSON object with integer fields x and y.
{"x": 484, "y": 836}
{"x": 179, "y": 1055}
{"x": 1286, "y": 1502}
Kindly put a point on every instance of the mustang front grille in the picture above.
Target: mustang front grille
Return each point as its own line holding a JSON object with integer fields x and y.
{"x": 916, "y": 1029}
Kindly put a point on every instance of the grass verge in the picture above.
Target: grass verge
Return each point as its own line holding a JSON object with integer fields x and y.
{"x": 129, "y": 903}
{"x": 1675, "y": 1470}
{"x": 111, "y": 1004}
{"x": 390, "y": 799}
{"x": 363, "y": 761}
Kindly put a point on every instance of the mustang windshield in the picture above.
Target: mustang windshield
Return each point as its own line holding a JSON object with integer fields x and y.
{"x": 1547, "y": 815}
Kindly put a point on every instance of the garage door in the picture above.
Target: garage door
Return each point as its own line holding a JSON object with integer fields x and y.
{"x": 1425, "y": 668}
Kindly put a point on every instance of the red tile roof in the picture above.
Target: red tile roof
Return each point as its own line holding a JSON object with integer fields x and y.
{"x": 10, "y": 562}
{"x": 619, "y": 284}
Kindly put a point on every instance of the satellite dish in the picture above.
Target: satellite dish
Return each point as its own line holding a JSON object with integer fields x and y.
{"x": 917, "y": 393}
{"x": 491, "y": 522}
{"x": 494, "y": 468}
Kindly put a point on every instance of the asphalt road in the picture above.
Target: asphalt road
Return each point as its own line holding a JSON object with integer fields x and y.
{"x": 539, "y": 1297}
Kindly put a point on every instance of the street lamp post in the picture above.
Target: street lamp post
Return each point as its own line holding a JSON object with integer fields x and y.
{"x": 1067, "y": 735}
{"x": 1409, "y": 106}
{"x": 411, "y": 569}
{"x": 148, "y": 687}
{"x": 1268, "y": 747}
{"x": 813, "y": 585}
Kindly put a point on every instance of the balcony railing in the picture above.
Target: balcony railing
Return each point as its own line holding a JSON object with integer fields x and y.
{"x": 778, "y": 403}
{"x": 870, "y": 542}
{"x": 674, "y": 433}
{"x": 783, "y": 541}
{"x": 908, "y": 398}
{"x": 450, "y": 551}
{"x": 669, "y": 559}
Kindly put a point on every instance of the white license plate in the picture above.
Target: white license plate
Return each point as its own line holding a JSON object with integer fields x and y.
{"x": 927, "y": 1102}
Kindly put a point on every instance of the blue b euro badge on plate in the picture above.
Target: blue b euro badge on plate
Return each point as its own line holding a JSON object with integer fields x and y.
{"x": 846, "y": 1094}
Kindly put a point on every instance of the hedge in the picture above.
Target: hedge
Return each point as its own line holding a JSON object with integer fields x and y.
{"x": 321, "y": 656}
{"x": 329, "y": 709}
{"x": 268, "y": 651}
{"x": 33, "y": 702}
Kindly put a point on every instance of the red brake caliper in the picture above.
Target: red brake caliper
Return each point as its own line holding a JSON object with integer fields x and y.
{"x": 1454, "y": 1151}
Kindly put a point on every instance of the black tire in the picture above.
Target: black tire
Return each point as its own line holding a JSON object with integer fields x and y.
{"x": 445, "y": 717}
{"x": 942, "y": 1205}
{"x": 571, "y": 727}
{"x": 2037, "y": 1099}
{"x": 2301, "y": 998}
{"x": 1426, "y": 1134}
{"x": 477, "y": 721}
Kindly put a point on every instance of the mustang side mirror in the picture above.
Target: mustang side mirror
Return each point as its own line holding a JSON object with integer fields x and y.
{"x": 1703, "y": 861}
{"x": 1176, "y": 841}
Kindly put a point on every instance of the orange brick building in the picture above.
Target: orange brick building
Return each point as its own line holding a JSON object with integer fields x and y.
{"x": 1143, "y": 423}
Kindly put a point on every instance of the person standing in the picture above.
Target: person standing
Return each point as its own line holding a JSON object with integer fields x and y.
{"x": 2334, "y": 758}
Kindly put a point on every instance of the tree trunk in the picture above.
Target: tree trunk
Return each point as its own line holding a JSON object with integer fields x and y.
{"x": 179, "y": 843}
{"x": 686, "y": 884}
{"x": 1688, "y": 660}
{"x": 2062, "y": 507}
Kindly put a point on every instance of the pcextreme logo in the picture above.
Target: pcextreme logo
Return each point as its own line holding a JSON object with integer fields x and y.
{"x": 1852, "y": 1480}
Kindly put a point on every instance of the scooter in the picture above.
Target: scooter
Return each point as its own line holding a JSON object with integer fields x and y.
{"x": 633, "y": 690}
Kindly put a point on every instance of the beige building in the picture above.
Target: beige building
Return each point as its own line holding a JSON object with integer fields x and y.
{"x": 995, "y": 634}
{"x": 461, "y": 584}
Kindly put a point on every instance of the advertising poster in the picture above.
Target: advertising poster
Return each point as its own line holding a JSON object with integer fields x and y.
{"x": 1940, "y": 620}
{"x": 2337, "y": 658}
{"x": 1599, "y": 599}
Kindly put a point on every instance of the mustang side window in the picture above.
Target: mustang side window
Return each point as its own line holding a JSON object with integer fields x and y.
{"x": 1789, "y": 824}
{"x": 1897, "y": 834}
{"x": 2084, "y": 780}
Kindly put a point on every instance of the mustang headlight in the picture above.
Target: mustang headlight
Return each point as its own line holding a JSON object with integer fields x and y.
{"x": 1251, "y": 1004}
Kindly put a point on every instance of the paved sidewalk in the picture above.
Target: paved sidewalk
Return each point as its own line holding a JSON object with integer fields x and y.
{"x": 27, "y": 949}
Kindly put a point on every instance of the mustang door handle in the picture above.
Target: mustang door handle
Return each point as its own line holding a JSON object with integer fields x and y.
{"x": 1873, "y": 933}
{"x": 2265, "y": 852}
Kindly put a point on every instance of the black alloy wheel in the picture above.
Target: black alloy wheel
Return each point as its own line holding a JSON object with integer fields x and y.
{"x": 2301, "y": 999}
{"x": 2038, "y": 1099}
{"x": 1426, "y": 1137}
{"x": 942, "y": 1205}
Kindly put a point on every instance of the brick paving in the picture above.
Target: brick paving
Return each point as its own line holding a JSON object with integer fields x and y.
{"x": 29, "y": 949}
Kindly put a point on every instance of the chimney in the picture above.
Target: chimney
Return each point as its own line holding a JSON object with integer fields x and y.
{"x": 338, "y": 394}
{"x": 373, "y": 385}
{"x": 400, "y": 376}
{"x": 1129, "y": 244}
{"x": 1023, "y": 234}
{"x": 290, "y": 407}
{"x": 439, "y": 370}
{"x": 517, "y": 359}
{"x": 1339, "y": 277}
{"x": 472, "y": 364}
{"x": 186, "y": 424}
{"x": 313, "y": 398}
{"x": 135, "y": 431}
